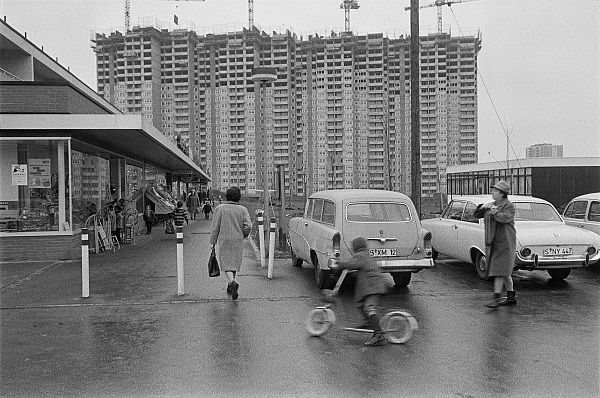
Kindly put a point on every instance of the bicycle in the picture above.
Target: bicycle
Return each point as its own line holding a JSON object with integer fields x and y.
{"x": 397, "y": 325}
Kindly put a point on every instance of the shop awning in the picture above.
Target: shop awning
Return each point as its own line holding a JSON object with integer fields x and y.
{"x": 130, "y": 136}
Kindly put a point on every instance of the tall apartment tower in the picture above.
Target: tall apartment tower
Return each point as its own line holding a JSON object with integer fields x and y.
{"x": 544, "y": 151}
{"x": 338, "y": 116}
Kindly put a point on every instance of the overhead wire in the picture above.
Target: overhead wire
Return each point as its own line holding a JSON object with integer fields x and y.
{"x": 504, "y": 128}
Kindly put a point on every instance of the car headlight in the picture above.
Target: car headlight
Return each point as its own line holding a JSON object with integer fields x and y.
{"x": 591, "y": 250}
{"x": 525, "y": 252}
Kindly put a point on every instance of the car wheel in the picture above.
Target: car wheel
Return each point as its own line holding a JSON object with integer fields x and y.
{"x": 401, "y": 279}
{"x": 434, "y": 254}
{"x": 296, "y": 262}
{"x": 559, "y": 274}
{"x": 321, "y": 276}
{"x": 481, "y": 265}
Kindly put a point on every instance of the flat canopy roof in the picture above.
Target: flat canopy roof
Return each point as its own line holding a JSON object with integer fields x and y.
{"x": 125, "y": 135}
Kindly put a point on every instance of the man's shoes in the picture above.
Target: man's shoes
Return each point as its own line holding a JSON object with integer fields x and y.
{"x": 376, "y": 340}
{"x": 234, "y": 290}
{"x": 229, "y": 288}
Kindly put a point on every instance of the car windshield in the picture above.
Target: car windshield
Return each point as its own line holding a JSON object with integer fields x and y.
{"x": 535, "y": 212}
{"x": 377, "y": 212}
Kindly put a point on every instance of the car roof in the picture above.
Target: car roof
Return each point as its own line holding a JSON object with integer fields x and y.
{"x": 593, "y": 195}
{"x": 488, "y": 198}
{"x": 344, "y": 194}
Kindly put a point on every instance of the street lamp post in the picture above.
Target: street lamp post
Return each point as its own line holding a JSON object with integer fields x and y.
{"x": 262, "y": 76}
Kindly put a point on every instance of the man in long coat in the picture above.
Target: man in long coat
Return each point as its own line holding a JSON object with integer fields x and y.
{"x": 192, "y": 203}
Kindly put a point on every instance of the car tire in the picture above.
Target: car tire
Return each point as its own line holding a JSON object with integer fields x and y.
{"x": 434, "y": 254}
{"x": 481, "y": 266}
{"x": 401, "y": 279}
{"x": 322, "y": 278}
{"x": 559, "y": 274}
{"x": 296, "y": 262}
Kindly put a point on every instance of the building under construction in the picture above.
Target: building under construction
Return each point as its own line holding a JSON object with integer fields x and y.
{"x": 338, "y": 115}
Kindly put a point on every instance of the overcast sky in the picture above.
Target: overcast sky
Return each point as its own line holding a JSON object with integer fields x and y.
{"x": 540, "y": 59}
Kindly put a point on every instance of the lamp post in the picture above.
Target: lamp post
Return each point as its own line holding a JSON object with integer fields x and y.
{"x": 262, "y": 76}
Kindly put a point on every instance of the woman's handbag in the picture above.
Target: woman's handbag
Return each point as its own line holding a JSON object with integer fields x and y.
{"x": 213, "y": 264}
{"x": 169, "y": 228}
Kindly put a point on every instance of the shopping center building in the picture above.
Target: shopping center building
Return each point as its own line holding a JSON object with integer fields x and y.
{"x": 66, "y": 154}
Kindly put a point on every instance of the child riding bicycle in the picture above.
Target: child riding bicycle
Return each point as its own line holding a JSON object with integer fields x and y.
{"x": 370, "y": 285}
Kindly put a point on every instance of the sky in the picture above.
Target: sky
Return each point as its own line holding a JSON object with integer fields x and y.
{"x": 539, "y": 65}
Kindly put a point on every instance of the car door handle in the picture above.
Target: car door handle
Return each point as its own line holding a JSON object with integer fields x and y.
{"x": 455, "y": 226}
{"x": 306, "y": 224}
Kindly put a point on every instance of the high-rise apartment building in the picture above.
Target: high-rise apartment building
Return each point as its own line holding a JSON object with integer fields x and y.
{"x": 544, "y": 151}
{"x": 338, "y": 116}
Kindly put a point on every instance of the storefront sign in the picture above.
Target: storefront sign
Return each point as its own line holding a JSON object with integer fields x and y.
{"x": 39, "y": 173}
{"x": 19, "y": 174}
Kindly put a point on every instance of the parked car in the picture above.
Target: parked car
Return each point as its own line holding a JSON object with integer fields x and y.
{"x": 584, "y": 212}
{"x": 544, "y": 241}
{"x": 333, "y": 219}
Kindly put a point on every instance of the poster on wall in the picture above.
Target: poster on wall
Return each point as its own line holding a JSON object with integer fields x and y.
{"x": 39, "y": 173}
{"x": 19, "y": 174}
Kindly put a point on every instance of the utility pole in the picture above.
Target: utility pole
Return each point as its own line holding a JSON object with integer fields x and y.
{"x": 415, "y": 114}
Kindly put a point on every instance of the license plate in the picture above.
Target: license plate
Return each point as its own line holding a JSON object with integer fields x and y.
{"x": 558, "y": 251}
{"x": 383, "y": 252}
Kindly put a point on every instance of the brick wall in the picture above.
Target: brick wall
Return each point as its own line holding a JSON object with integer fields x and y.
{"x": 27, "y": 248}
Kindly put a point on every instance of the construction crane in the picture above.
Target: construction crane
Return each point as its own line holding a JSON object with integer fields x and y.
{"x": 127, "y": 12}
{"x": 348, "y": 5}
{"x": 439, "y": 4}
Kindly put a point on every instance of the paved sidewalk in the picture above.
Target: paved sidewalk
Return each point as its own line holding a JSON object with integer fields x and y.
{"x": 145, "y": 271}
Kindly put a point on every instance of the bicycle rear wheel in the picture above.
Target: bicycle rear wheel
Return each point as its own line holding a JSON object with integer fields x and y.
{"x": 319, "y": 320}
{"x": 398, "y": 326}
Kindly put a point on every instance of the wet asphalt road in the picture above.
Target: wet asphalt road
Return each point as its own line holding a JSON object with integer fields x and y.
{"x": 135, "y": 337}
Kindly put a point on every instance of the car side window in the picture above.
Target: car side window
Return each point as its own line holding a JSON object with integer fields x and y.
{"x": 309, "y": 208}
{"x": 594, "y": 214}
{"x": 328, "y": 212}
{"x": 317, "y": 210}
{"x": 455, "y": 211}
{"x": 468, "y": 215}
{"x": 576, "y": 210}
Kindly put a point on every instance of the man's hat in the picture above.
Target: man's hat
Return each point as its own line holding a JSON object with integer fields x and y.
{"x": 502, "y": 186}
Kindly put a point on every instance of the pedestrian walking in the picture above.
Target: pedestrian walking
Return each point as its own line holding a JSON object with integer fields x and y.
{"x": 193, "y": 202}
{"x": 370, "y": 286}
{"x": 500, "y": 242}
{"x": 230, "y": 226}
{"x": 206, "y": 209}
{"x": 149, "y": 219}
{"x": 119, "y": 223}
{"x": 180, "y": 215}
{"x": 112, "y": 220}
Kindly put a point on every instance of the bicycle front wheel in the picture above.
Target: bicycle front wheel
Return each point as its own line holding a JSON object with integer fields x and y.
{"x": 398, "y": 326}
{"x": 319, "y": 320}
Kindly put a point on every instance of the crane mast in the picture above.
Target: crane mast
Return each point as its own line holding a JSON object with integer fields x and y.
{"x": 348, "y": 5}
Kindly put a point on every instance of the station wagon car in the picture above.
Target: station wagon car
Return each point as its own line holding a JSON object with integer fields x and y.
{"x": 333, "y": 219}
{"x": 544, "y": 241}
{"x": 584, "y": 212}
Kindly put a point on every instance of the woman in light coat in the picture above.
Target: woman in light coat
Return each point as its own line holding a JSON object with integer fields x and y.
{"x": 230, "y": 226}
{"x": 500, "y": 242}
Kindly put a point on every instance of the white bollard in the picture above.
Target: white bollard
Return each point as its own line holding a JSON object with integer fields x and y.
{"x": 85, "y": 263}
{"x": 261, "y": 239}
{"x": 180, "y": 272}
{"x": 271, "y": 248}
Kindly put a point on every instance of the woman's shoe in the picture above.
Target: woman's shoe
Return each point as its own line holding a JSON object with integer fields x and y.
{"x": 229, "y": 288}
{"x": 234, "y": 290}
{"x": 495, "y": 302}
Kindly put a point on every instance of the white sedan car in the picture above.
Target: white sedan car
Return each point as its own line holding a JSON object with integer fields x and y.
{"x": 544, "y": 241}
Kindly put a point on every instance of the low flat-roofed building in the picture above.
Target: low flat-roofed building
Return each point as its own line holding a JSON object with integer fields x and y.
{"x": 66, "y": 154}
{"x": 556, "y": 180}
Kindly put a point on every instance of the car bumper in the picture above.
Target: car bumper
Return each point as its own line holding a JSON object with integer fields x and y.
{"x": 555, "y": 262}
{"x": 405, "y": 265}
